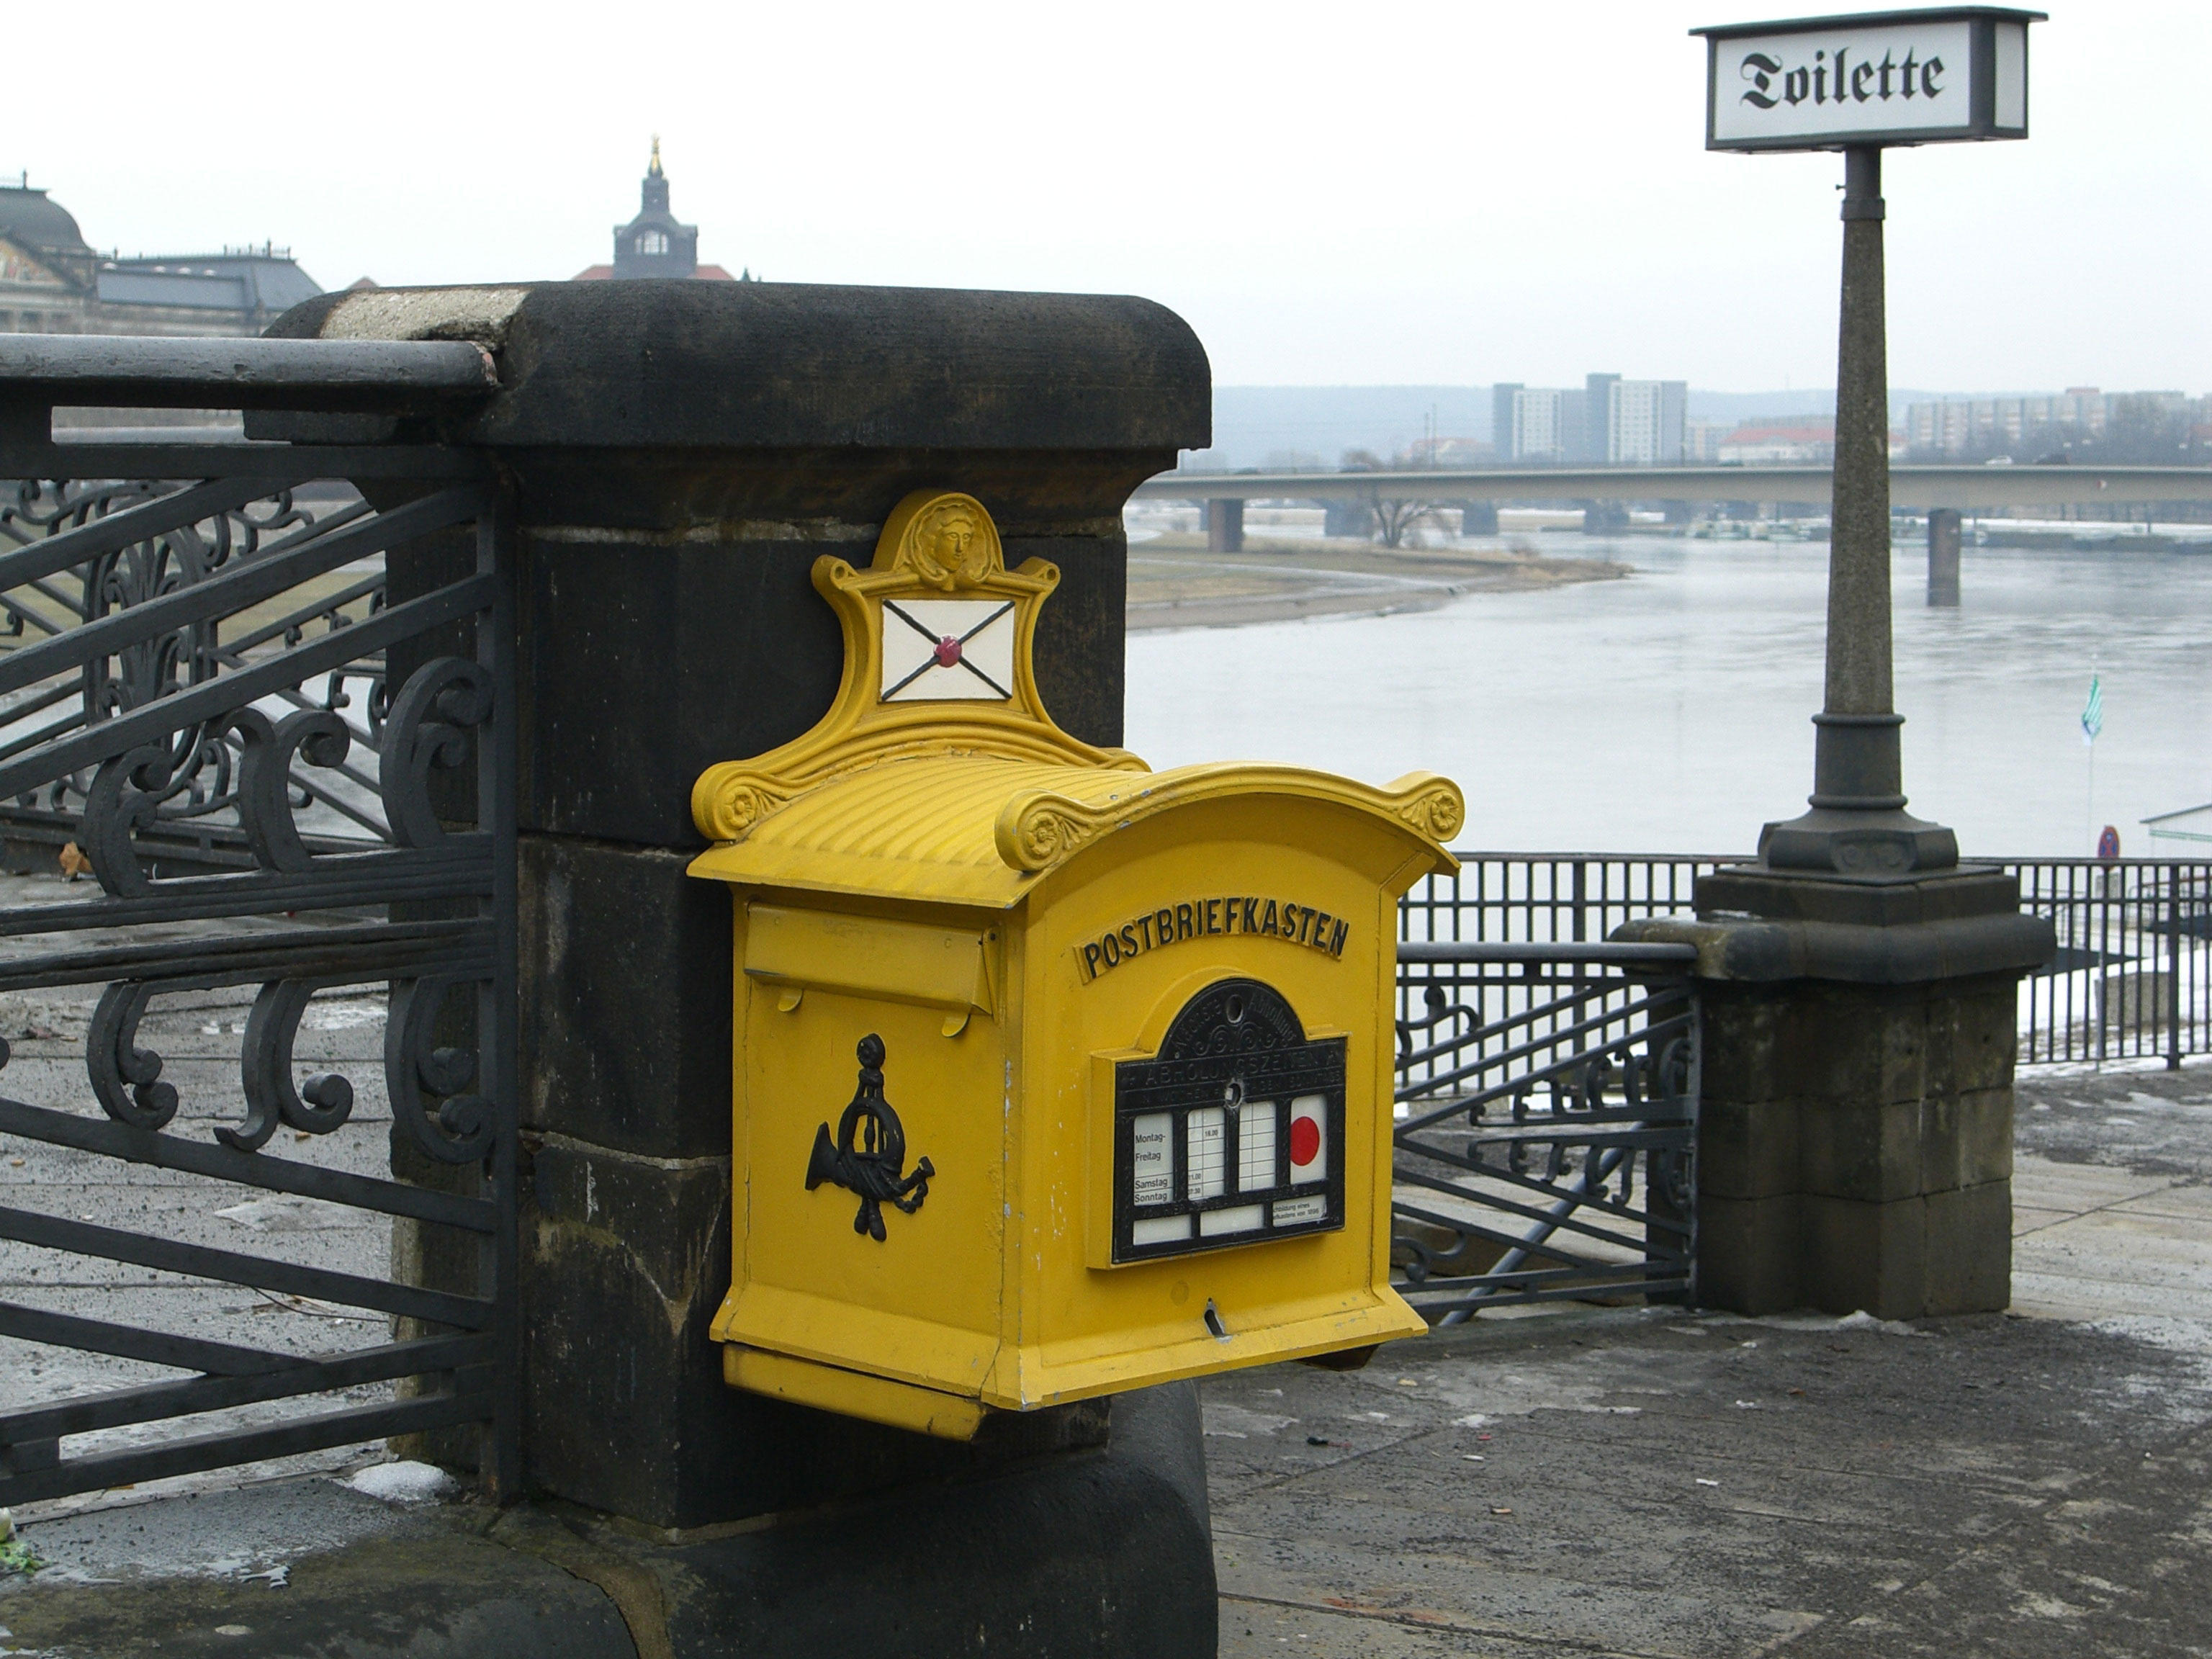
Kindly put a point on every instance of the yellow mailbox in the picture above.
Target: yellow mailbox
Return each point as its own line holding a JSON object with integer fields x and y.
{"x": 1055, "y": 1076}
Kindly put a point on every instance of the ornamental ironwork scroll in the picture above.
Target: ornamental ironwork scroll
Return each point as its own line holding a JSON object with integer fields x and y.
{"x": 1545, "y": 1136}
{"x": 143, "y": 545}
{"x": 286, "y": 784}
{"x": 429, "y": 729}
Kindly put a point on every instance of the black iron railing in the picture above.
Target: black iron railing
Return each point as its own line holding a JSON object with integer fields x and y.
{"x": 274, "y": 739}
{"x": 1538, "y": 898}
{"x": 1547, "y": 1107}
{"x": 2131, "y": 980}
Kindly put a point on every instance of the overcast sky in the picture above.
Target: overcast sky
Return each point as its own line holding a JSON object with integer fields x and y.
{"x": 1439, "y": 194}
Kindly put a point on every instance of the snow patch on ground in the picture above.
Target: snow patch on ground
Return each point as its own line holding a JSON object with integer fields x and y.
{"x": 343, "y": 1016}
{"x": 289, "y": 1215}
{"x": 1233, "y": 1422}
{"x": 403, "y": 1482}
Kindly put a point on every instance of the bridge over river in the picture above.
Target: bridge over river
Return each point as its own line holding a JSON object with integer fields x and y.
{"x": 1942, "y": 492}
{"x": 1959, "y": 488}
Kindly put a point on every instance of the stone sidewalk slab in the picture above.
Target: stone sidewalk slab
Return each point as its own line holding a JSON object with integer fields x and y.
{"x": 296, "y": 1567}
{"x": 1658, "y": 1483}
{"x": 1650, "y": 1484}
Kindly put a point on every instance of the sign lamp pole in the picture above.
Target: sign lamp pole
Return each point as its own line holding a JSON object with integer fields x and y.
{"x": 1860, "y": 84}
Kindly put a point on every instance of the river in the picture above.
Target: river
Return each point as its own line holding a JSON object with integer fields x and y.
{"x": 1668, "y": 711}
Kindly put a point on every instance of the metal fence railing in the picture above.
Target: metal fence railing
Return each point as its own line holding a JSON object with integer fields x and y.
{"x": 289, "y": 784}
{"x": 1546, "y": 1107}
{"x": 2131, "y": 979}
{"x": 1541, "y": 898}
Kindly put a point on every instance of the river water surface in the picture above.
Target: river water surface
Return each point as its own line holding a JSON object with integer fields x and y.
{"x": 1669, "y": 711}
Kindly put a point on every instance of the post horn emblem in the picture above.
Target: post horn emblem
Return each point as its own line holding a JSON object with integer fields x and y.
{"x": 871, "y": 1168}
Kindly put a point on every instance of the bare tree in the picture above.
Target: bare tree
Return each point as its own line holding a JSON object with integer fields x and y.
{"x": 1392, "y": 518}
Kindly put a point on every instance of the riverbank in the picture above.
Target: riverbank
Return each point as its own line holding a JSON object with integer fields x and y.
{"x": 1175, "y": 582}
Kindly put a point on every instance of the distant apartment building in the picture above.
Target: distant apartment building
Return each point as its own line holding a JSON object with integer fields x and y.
{"x": 1959, "y": 426}
{"x": 1943, "y": 428}
{"x": 1598, "y": 390}
{"x": 1800, "y": 443}
{"x": 2136, "y": 426}
{"x": 1548, "y": 424}
{"x": 1702, "y": 440}
{"x": 1981, "y": 425}
{"x": 1607, "y": 421}
{"x": 1545, "y": 424}
{"x": 1501, "y": 417}
{"x": 53, "y": 282}
{"x": 1645, "y": 421}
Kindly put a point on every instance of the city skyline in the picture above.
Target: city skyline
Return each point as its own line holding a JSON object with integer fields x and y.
{"x": 109, "y": 260}
{"x": 1070, "y": 156}
{"x": 1315, "y": 428}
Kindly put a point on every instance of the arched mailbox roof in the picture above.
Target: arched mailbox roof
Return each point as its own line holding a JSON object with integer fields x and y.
{"x": 970, "y": 828}
{"x": 938, "y": 773}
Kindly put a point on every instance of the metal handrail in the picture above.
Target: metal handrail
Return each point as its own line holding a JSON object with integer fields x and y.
{"x": 1597, "y": 951}
{"x": 128, "y": 371}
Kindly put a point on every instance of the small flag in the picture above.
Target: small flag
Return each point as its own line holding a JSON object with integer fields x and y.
{"x": 2093, "y": 713}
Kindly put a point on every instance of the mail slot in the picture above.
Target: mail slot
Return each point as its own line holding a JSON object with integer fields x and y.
{"x": 1053, "y": 1076}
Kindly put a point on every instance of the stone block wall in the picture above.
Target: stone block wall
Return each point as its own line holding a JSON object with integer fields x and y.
{"x": 1855, "y": 1146}
{"x": 678, "y": 456}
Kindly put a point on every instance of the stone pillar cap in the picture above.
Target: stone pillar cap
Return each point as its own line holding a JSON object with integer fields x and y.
{"x": 713, "y": 365}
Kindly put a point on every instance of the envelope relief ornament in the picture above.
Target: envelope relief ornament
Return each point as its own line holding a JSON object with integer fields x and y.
{"x": 938, "y": 634}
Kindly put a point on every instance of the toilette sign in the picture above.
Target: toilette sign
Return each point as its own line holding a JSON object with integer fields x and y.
{"x": 1892, "y": 77}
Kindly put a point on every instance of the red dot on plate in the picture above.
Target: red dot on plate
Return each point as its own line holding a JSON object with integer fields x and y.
{"x": 948, "y": 652}
{"x": 1305, "y": 1140}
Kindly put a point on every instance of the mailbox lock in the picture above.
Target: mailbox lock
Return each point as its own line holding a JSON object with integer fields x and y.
{"x": 872, "y": 1168}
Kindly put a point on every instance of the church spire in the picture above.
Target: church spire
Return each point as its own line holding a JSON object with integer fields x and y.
{"x": 653, "y": 244}
{"x": 652, "y": 194}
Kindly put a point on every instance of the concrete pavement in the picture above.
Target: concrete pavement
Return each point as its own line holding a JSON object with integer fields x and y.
{"x": 1651, "y": 1483}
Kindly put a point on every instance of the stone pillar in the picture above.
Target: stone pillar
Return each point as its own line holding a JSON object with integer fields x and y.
{"x": 680, "y": 453}
{"x": 1224, "y": 525}
{"x": 1478, "y": 517}
{"x": 1943, "y": 523}
{"x": 1857, "y": 981}
{"x": 1856, "y": 1107}
{"x": 1604, "y": 518}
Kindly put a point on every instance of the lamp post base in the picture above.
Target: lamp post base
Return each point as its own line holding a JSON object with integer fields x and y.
{"x": 1858, "y": 826}
{"x": 1879, "y": 844}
